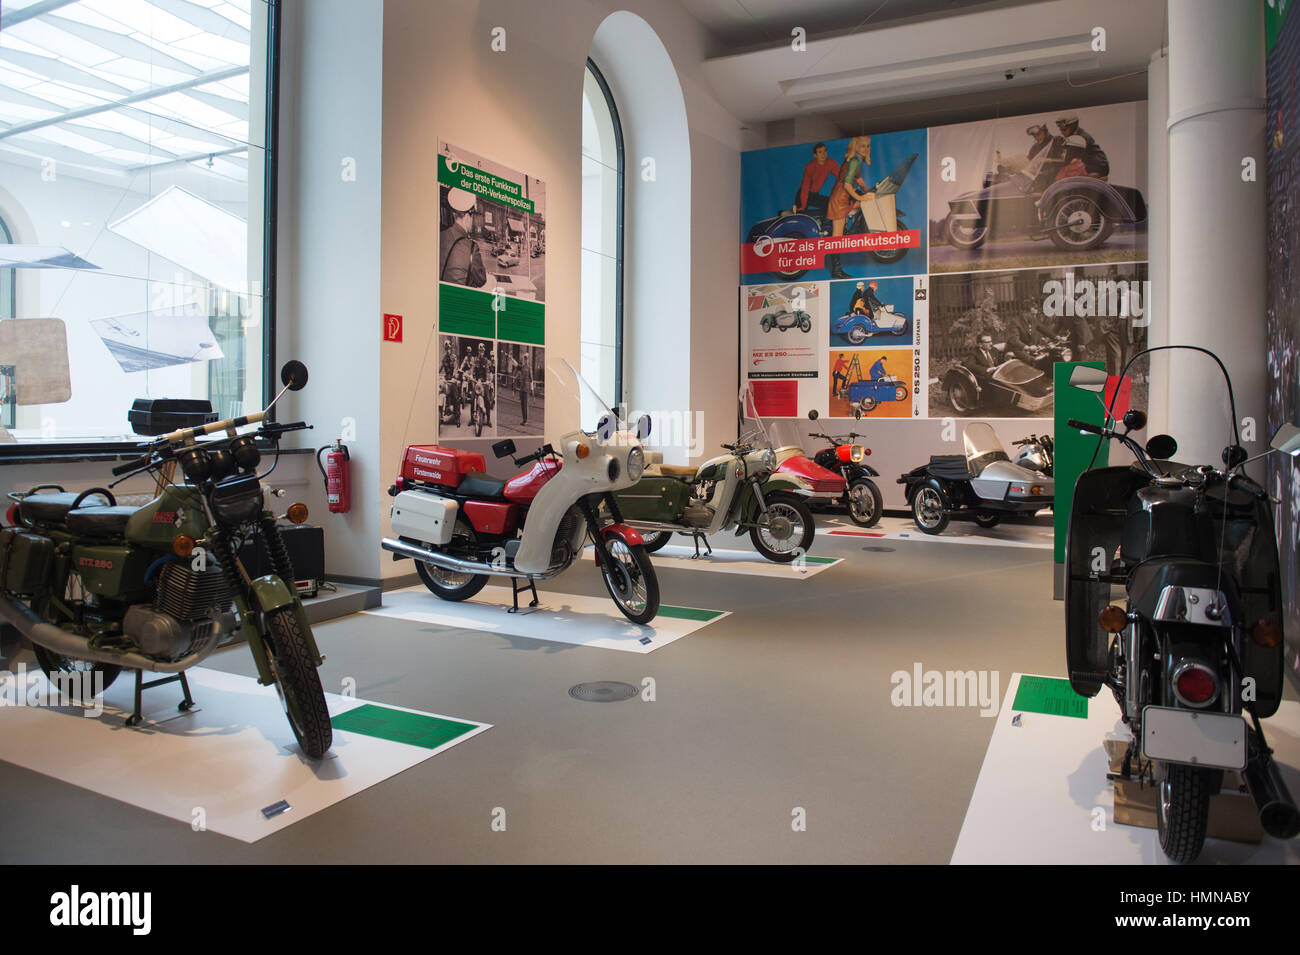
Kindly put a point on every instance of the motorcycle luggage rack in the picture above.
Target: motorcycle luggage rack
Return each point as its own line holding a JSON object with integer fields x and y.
{"x": 135, "y": 719}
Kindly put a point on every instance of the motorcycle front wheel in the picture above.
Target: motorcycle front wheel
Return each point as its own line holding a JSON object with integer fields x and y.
{"x": 794, "y": 273}
{"x": 963, "y": 236}
{"x": 54, "y": 663}
{"x": 630, "y": 579}
{"x": 297, "y": 682}
{"x": 960, "y": 396}
{"x": 865, "y": 503}
{"x": 784, "y": 531}
{"x": 805, "y": 324}
{"x": 1183, "y": 809}
{"x": 856, "y": 334}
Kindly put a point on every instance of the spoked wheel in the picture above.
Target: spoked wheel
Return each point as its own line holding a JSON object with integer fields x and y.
{"x": 866, "y": 404}
{"x": 987, "y": 518}
{"x": 865, "y": 503}
{"x": 298, "y": 682}
{"x": 452, "y": 584}
{"x": 856, "y": 334}
{"x": 784, "y": 531}
{"x": 962, "y": 397}
{"x": 655, "y": 540}
{"x": 1078, "y": 224}
{"x": 631, "y": 581}
{"x": 929, "y": 509}
{"x": 56, "y": 663}
{"x": 1183, "y": 809}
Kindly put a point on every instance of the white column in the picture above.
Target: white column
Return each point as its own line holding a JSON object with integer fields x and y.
{"x": 1156, "y": 305}
{"x": 1216, "y": 220}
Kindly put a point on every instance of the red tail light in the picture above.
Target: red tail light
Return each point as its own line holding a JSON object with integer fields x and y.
{"x": 1195, "y": 684}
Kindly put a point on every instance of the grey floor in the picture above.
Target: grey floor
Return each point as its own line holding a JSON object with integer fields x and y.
{"x": 783, "y": 704}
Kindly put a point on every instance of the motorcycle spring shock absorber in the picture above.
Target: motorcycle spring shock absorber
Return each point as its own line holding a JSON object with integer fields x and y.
{"x": 219, "y": 548}
{"x": 273, "y": 544}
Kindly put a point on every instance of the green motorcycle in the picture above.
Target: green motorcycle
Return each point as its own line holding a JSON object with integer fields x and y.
{"x": 103, "y": 588}
{"x": 737, "y": 491}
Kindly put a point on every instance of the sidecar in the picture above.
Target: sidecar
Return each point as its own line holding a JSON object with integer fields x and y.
{"x": 867, "y": 393}
{"x": 784, "y": 318}
{"x": 982, "y": 482}
{"x": 857, "y": 327}
{"x": 1013, "y": 384}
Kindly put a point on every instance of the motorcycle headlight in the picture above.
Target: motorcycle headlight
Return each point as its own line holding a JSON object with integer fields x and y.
{"x": 635, "y": 463}
{"x": 1067, "y": 355}
{"x": 769, "y": 460}
{"x": 856, "y": 454}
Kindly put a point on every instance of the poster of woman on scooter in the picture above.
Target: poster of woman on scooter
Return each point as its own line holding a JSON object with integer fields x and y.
{"x": 1035, "y": 190}
{"x": 843, "y": 208}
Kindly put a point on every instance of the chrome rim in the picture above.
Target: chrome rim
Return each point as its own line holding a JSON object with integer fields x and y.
{"x": 624, "y": 576}
{"x": 1078, "y": 221}
{"x": 929, "y": 507}
{"x": 959, "y": 397}
{"x": 857, "y": 335}
{"x": 862, "y": 501}
{"x": 782, "y": 528}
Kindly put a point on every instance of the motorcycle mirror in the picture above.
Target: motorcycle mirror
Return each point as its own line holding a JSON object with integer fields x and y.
{"x": 1233, "y": 455}
{"x": 643, "y": 427}
{"x": 294, "y": 375}
{"x": 1135, "y": 420}
{"x": 1286, "y": 439}
{"x": 813, "y": 415}
{"x": 1162, "y": 447}
{"x": 1088, "y": 379}
{"x": 503, "y": 448}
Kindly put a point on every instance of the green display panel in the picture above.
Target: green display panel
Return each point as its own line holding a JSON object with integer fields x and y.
{"x": 483, "y": 184}
{"x": 521, "y": 320}
{"x": 1073, "y": 450}
{"x": 399, "y": 726}
{"x": 465, "y": 311}
{"x": 1045, "y": 694}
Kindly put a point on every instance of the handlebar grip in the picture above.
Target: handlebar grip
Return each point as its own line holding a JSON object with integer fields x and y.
{"x": 1085, "y": 426}
{"x": 130, "y": 465}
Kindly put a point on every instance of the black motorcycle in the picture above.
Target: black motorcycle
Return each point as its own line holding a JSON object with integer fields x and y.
{"x": 1173, "y": 601}
{"x": 861, "y": 495}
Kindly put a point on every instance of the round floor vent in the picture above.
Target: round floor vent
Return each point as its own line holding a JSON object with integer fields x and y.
{"x": 603, "y": 691}
{"x": 879, "y": 550}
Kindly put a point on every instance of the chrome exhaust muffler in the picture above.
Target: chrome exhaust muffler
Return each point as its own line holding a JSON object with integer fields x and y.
{"x": 1277, "y": 810}
{"x": 402, "y": 549}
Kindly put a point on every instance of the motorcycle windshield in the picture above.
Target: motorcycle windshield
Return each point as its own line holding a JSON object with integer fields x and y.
{"x": 754, "y": 431}
{"x": 788, "y": 433}
{"x": 982, "y": 447}
{"x": 573, "y": 391}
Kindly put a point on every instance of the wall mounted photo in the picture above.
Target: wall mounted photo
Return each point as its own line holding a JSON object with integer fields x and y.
{"x": 520, "y": 392}
{"x": 874, "y": 311}
{"x": 877, "y": 382}
{"x": 467, "y": 386}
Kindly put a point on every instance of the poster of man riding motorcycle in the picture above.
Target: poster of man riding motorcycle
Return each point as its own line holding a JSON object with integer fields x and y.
{"x": 877, "y": 309}
{"x": 1038, "y": 190}
{"x": 994, "y": 337}
{"x": 466, "y": 386}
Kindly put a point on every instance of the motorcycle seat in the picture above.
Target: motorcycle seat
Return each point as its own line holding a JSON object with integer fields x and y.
{"x": 48, "y": 508}
{"x": 684, "y": 472}
{"x": 950, "y": 467}
{"x": 474, "y": 485}
{"x": 100, "y": 521}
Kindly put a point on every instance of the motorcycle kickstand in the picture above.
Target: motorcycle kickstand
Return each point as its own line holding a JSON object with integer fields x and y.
{"x": 514, "y": 588}
{"x": 707, "y": 545}
{"x": 135, "y": 719}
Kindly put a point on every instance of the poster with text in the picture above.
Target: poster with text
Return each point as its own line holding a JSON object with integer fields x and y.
{"x": 783, "y": 338}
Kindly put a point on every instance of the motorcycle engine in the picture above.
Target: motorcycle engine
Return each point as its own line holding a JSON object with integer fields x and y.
{"x": 697, "y": 515}
{"x": 190, "y": 613}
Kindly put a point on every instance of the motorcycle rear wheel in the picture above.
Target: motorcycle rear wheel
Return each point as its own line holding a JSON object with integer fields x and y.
{"x": 451, "y": 584}
{"x": 1183, "y": 809}
{"x": 297, "y": 681}
{"x": 1074, "y": 211}
{"x": 655, "y": 540}
{"x": 929, "y": 508}
{"x": 805, "y": 324}
{"x": 865, "y": 503}
{"x": 963, "y": 238}
{"x": 53, "y": 663}
{"x": 630, "y": 579}
{"x": 900, "y": 392}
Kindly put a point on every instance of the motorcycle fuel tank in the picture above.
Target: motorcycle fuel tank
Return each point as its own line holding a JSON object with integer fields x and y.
{"x": 178, "y": 510}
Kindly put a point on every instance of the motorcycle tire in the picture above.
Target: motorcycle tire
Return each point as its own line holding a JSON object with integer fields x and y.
{"x": 966, "y": 241}
{"x": 887, "y": 256}
{"x": 930, "y": 508}
{"x": 867, "y": 404}
{"x": 987, "y": 518}
{"x": 630, "y": 579}
{"x": 1183, "y": 810}
{"x": 1059, "y": 218}
{"x": 960, "y": 398}
{"x": 655, "y": 540}
{"x": 805, "y": 324}
{"x": 901, "y": 392}
{"x": 765, "y": 324}
{"x": 478, "y": 425}
{"x": 857, "y": 335}
{"x": 297, "y": 681}
{"x": 791, "y": 509}
{"x": 53, "y": 663}
{"x": 449, "y": 584}
{"x": 865, "y": 503}
{"x": 796, "y": 273}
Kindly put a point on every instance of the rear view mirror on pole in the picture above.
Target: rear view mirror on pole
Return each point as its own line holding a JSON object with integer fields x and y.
{"x": 1088, "y": 379}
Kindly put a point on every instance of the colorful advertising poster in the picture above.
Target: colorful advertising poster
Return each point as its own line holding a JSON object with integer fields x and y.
{"x": 1039, "y": 190}
{"x": 843, "y": 208}
{"x": 994, "y": 336}
{"x": 878, "y": 311}
{"x": 491, "y": 295}
{"x": 783, "y": 338}
{"x": 877, "y": 382}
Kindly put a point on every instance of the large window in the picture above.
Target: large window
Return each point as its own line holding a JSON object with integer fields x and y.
{"x": 602, "y": 239}
{"x": 135, "y": 140}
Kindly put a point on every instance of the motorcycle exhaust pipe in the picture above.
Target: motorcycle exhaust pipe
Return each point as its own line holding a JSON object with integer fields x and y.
{"x": 70, "y": 645}
{"x": 1277, "y": 810}
{"x": 403, "y": 549}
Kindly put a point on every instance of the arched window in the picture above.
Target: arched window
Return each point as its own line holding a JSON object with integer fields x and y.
{"x": 602, "y": 239}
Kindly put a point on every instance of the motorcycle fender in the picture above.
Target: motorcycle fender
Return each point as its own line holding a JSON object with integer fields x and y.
{"x": 271, "y": 593}
{"x": 962, "y": 373}
{"x": 772, "y": 484}
{"x": 627, "y": 534}
{"x": 799, "y": 222}
{"x": 1111, "y": 202}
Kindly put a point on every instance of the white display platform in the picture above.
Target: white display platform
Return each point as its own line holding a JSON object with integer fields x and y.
{"x": 682, "y": 557}
{"x": 560, "y": 618}
{"x": 1042, "y": 780}
{"x": 228, "y": 758}
{"x": 889, "y": 527}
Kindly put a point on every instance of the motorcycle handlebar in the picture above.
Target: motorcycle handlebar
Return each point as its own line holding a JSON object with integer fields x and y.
{"x": 132, "y": 465}
{"x": 1085, "y": 426}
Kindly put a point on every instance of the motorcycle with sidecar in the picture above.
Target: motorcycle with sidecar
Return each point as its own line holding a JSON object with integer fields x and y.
{"x": 1173, "y": 602}
{"x": 1012, "y": 385}
{"x": 857, "y": 326}
{"x": 462, "y": 527}
{"x": 783, "y": 319}
{"x": 982, "y": 482}
{"x": 102, "y": 588}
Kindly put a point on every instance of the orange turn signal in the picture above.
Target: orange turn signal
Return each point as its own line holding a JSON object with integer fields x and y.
{"x": 1267, "y": 633}
{"x": 297, "y": 513}
{"x": 582, "y": 450}
{"x": 1036, "y": 489}
{"x": 1113, "y": 619}
{"x": 183, "y": 545}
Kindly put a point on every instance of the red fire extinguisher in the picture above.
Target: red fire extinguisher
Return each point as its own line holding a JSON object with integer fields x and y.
{"x": 335, "y": 472}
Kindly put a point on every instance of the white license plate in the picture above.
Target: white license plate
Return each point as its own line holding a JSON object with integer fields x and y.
{"x": 1213, "y": 740}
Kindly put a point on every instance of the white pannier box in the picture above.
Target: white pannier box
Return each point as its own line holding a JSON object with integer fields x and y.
{"x": 424, "y": 517}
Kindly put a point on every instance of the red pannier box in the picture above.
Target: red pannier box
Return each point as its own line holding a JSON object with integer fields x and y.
{"x": 434, "y": 464}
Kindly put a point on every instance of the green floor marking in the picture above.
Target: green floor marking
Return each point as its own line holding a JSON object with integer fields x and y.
{"x": 689, "y": 613}
{"x": 417, "y": 729}
{"x": 821, "y": 560}
{"x": 1046, "y": 694}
